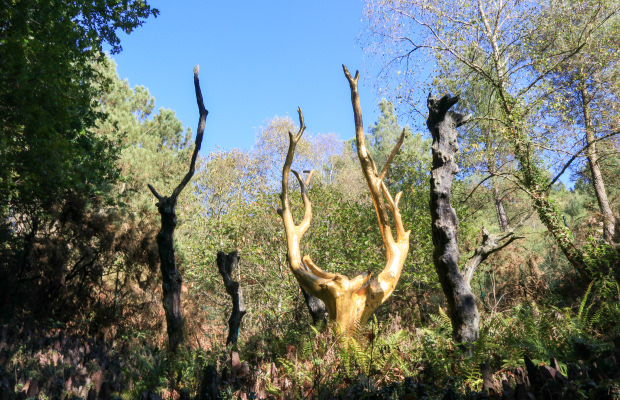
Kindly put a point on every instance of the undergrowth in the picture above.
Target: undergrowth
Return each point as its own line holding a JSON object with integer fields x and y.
{"x": 383, "y": 359}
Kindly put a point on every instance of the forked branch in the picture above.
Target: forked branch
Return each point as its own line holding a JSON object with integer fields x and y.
{"x": 490, "y": 244}
{"x": 286, "y": 169}
{"x": 348, "y": 301}
{"x": 294, "y": 232}
{"x": 375, "y": 181}
{"x": 171, "y": 277}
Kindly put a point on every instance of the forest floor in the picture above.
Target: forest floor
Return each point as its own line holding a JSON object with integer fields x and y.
{"x": 53, "y": 364}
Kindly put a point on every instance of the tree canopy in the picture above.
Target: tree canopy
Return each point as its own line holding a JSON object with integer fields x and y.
{"x": 47, "y": 96}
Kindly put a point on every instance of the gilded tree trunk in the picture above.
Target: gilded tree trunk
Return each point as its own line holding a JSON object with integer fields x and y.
{"x": 349, "y": 302}
{"x": 461, "y": 302}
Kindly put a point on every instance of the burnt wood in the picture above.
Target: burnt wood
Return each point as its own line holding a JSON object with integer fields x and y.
{"x": 172, "y": 280}
{"x": 226, "y": 264}
{"x": 461, "y": 302}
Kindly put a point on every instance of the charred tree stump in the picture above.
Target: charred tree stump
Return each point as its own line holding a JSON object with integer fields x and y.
{"x": 210, "y": 384}
{"x": 461, "y": 302}
{"x": 171, "y": 277}
{"x": 226, "y": 264}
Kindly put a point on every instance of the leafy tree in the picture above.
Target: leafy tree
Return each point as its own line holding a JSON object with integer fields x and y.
{"x": 585, "y": 90}
{"x": 55, "y": 166}
{"x": 46, "y": 96}
{"x": 491, "y": 42}
{"x": 91, "y": 246}
{"x": 384, "y": 133}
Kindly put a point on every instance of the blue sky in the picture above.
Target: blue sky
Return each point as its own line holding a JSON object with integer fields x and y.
{"x": 257, "y": 60}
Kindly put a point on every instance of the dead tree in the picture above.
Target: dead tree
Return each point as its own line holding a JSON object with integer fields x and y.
{"x": 491, "y": 243}
{"x": 461, "y": 302}
{"x": 171, "y": 277}
{"x": 349, "y": 301}
{"x": 226, "y": 264}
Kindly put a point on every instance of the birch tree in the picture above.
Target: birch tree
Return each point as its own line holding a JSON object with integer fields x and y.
{"x": 500, "y": 43}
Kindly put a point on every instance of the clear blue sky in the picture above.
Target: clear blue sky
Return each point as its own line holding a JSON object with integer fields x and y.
{"x": 257, "y": 59}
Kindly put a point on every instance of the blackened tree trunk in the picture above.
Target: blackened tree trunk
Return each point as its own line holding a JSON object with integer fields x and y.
{"x": 461, "y": 302}
{"x": 226, "y": 264}
{"x": 316, "y": 308}
{"x": 171, "y": 277}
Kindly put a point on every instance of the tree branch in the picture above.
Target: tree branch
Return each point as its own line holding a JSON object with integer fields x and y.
{"x": 577, "y": 154}
{"x": 201, "y": 129}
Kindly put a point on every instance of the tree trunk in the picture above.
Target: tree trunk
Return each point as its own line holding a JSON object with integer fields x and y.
{"x": 609, "y": 221}
{"x": 536, "y": 185}
{"x": 226, "y": 264}
{"x": 461, "y": 302}
{"x": 316, "y": 308}
{"x": 502, "y": 219}
{"x": 171, "y": 277}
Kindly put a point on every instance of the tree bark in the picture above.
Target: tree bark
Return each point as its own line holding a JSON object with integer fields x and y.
{"x": 172, "y": 280}
{"x": 609, "y": 221}
{"x": 461, "y": 302}
{"x": 502, "y": 219}
{"x": 226, "y": 264}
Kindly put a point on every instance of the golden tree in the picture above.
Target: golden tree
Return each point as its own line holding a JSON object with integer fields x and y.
{"x": 348, "y": 301}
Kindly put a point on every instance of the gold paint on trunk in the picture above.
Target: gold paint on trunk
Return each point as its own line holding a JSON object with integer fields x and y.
{"x": 349, "y": 301}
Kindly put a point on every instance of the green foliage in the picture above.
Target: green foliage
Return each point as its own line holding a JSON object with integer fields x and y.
{"x": 96, "y": 243}
{"x": 602, "y": 260}
{"x": 78, "y": 225}
{"x": 148, "y": 368}
{"x": 508, "y": 62}
{"x": 57, "y": 223}
{"x": 46, "y": 101}
{"x": 325, "y": 361}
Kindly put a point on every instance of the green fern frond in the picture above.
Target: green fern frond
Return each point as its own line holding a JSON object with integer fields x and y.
{"x": 445, "y": 318}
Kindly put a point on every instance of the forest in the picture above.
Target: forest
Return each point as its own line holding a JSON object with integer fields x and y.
{"x": 477, "y": 258}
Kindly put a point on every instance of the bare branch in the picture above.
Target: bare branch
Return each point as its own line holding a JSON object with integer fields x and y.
{"x": 318, "y": 271}
{"x": 293, "y": 139}
{"x": 386, "y": 166}
{"x": 152, "y": 189}
{"x": 491, "y": 243}
{"x": 577, "y": 154}
{"x": 201, "y": 129}
{"x": 305, "y": 223}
